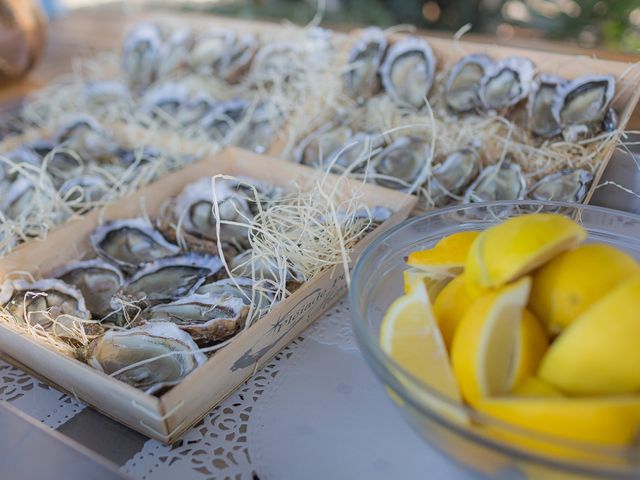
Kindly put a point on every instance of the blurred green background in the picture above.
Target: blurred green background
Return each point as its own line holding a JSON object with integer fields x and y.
{"x": 589, "y": 23}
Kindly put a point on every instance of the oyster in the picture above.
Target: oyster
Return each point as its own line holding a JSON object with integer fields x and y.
{"x": 399, "y": 165}
{"x": 207, "y": 319}
{"x": 263, "y": 267}
{"x": 239, "y": 58}
{"x": 462, "y": 87}
{"x": 581, "y": 105}
{"x": 140, "y": 54}
{"x": 105, "y": 92}
{"x": 168, "y": 353}
{"x": 130, "y": 243}
{"x": 276, "y": 62}
{"x": 502, "y": 181}
{"x": 54, "y": 305}
{"x": 238, "y": 287}
{"x": 506, "y": 82}
{"x": 168, "y": 98}
{"x": 194, "y": 208}
{"x": 408, "y": 72}
{"x": 211, "y": 50}
{"x": 173, "y": 54}
{"x": 168, "y": 279}
{"x": 361, "y": 78}
{"x": 453, "y": 175}
{"x": 320, "y": 147}
{"x": 96, "y": 279}
{"x": 223, "y": 117}
{"x": 18, "y": 200}
{"x": 83, "y": 190}
{"x": 84, "y": 135}
{"x": 564, "y": 186}
{"x": 543, "y": 91}
{"x": 195, "y": 110}
{"x": 260, "y": 130}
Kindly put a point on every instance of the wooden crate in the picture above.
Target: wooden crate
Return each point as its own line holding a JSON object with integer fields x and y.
{"x": 166, "y": 417}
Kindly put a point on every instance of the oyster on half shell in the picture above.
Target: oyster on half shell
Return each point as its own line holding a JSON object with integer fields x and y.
{"x": 167, "y": 279}
{"x": 87, "y": 137}
{"x": 130, "y": 243}
{"x": 399, "y": 164}
{"x": 361, "y": 79}
{"x": 453, "y": 175}
{"x": 581, "y": 105}
{"x": 543, "y": 91}
{"x": 118, "y": 349}
{"x": 564, "y": 186}
{"x": 140, "y": 54}
{"x": 96, "y": 279}
{"x": 506, "y": 82}
{"x": 408, "y": 71}
{"x": 462, "y": 87}
{"x": 206, "y": 318}
{"x": 52, "y": 304}
{"x": 502, "y": 181}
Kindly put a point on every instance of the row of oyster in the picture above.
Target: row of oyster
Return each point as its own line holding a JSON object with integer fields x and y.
{"x": 459, "y": 176}
{"x": 82, "y": 162}
{"x": 407, "y": 71}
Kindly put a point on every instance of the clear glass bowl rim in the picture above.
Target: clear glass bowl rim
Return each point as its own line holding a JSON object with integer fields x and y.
{"x": 382, "y": 364}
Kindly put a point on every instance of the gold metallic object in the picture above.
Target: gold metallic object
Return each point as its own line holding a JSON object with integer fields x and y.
{"x": 22, "y": 32}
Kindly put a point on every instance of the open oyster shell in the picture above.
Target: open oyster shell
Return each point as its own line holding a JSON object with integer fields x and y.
{"x": 361, "y": 79}
{"x": 173, "y": 53}
{"x": 18, "y": 199}
{"x": 223, "y": 117}
{"x": 453, "y": 175}
{"x": 206, "y": 318}
{"x": 506, "y": 83}
{"x": 399, "y": 164}
{"x": 130, "y": 243}
{"x": 564, "y": 186}
{"x": 168, "y": 353}
{"x": 581, "y": 105}
{"x": 167, "y": 279}
{"x": 502, "y": 181}
{"x": 54, "y": 305}
{"x": 96, "y": 279}
{"x": 88, "y": 138}
{"x": 140, "y": 54}
{"x": 80, "y": 191}
{"x": 540, "y": 119}
{"x": 408, "y": 71}
{"x": 319, "y": 148}
{"x": 461, "y": 90}
{"x": 240, "y": 288}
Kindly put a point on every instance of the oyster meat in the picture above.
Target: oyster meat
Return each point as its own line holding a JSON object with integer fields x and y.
{"x": 502, "y": 181}
{"x": 130, "y": 243}
{"x": 462, "y": 87}
{"x": 361, "y": 79}
{"x": 408, "y": 71}
{"x": 564, "y": 186}
{"x": 82, "y": 191}
{"x": 168, "y": 98}
{"x": 260, "y": 130}
{"x": 167, "y": 279}
{"x": 581, "y": 105}
{"x": 88, "y": 138}
{"x": 400, "y": 164}
{"x": 453, "y": 175}
{"x": 207, "y": 319}
{"x": 160, "y": 355}
{"x": 223, "y": 117}
{"x": 543, "y": 91}
{"x": 54, "y": 305}
{"x": 319, "y": 148}
{"x": 96, "y": 279}
{"x": 506, "y": 83}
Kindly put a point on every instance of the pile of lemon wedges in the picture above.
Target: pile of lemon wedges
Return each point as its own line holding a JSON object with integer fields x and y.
{"x": 527, "y": 323}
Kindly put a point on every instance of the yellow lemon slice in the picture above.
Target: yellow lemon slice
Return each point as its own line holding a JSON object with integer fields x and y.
{"x": 409, "y": 334}
{"x": 604, "y": 420}
{"x": 533, "y": 343}
{"x": 435, "y": 282}
{"x": 571, "y": 282}
{"x": 598, "y": 352}
{"x": 449, "y": 254}
{"x": 518, "y": 246}
{"x": 450, "y": 306}
{"x": 486, "y": 341}
{"x": 534, "y": 387}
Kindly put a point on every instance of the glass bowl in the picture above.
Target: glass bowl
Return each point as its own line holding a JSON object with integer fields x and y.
{"x": 470, "y": 438}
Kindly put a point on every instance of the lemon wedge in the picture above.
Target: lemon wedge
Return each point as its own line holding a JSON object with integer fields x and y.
{"x": 604, "y": 420}
{"x": 448, "y": 255}
{"x": 571, "y": 282}
{"x": 533, "y": 343}
{"x": 516, "y": 247}
{"x": 598, "y": 354}
{"x": 409, "y": 334}
{"x": 486, "y": 341}
{"x": 450, "y": 306}
{"x": 434, "y": 281}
